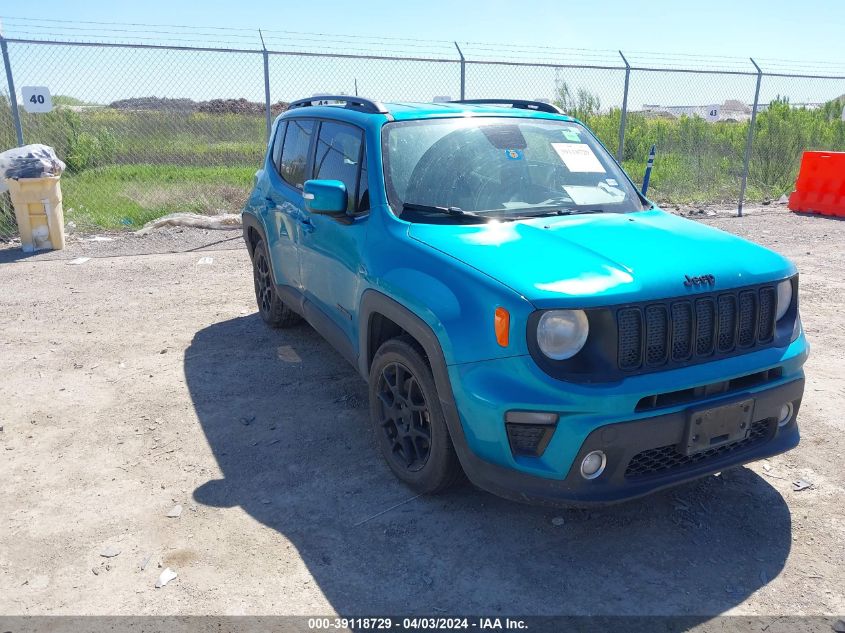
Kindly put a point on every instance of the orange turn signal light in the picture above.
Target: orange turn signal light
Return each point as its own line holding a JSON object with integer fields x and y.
{"x": 502, "y": 323}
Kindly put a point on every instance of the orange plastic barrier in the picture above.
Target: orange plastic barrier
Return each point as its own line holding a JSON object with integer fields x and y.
{"x": 821, "y": 184}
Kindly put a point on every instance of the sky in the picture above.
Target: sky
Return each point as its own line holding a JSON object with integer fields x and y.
{"x": 801, "y": 37}
{"x": 809, "y": 30}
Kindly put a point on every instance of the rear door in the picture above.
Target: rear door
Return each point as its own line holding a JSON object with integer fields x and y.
{"x": 332, "y": 249}
{"x": 286, "y": 217}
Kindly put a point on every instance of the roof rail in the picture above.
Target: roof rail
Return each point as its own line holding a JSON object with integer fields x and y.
{"x": 356, "y": 103}
{"x": 522, "y": 104}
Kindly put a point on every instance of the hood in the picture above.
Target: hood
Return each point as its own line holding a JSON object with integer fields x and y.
{"x": 602, "y": 259}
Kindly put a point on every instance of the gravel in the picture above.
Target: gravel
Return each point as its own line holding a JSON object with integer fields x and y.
{"x": 295, "y": 513}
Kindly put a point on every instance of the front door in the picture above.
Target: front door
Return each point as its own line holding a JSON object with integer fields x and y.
{"x": 331, "y": 249}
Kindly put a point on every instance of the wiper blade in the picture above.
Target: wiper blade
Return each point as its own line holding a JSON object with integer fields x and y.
{"x": 560, "y": 211}
{"x": 430, "y": 208}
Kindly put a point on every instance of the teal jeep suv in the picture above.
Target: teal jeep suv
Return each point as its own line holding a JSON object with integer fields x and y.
{"x": 521, "y": 313}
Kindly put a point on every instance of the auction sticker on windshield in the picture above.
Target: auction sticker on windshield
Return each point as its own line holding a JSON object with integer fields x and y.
{"x": 578, "y": 157}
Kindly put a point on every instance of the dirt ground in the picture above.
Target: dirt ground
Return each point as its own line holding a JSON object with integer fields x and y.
{"x": 133, "y": 382}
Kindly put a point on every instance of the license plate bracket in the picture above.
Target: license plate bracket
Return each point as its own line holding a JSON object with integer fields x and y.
{"x": 717, "y": 426}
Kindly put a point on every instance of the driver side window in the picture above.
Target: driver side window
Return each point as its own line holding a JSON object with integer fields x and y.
{"x": 338, "y": 157}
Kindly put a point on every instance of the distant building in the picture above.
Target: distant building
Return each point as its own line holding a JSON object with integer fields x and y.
{"x": 730, "y": 110}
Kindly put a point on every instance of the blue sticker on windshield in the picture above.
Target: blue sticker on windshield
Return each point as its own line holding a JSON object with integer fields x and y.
{"x": 513, "y": 154}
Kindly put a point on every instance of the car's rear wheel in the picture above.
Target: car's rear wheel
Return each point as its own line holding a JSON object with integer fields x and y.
{"x": 407, "y": 419}
{"x": 271, "y": 308}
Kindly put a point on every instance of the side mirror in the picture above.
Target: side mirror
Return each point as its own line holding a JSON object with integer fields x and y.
{"x": 325, "y": 197}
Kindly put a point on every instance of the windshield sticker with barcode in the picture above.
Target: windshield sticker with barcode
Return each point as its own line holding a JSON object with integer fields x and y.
{"x": 578, "y": 157}
{"x": 571, "y": 136}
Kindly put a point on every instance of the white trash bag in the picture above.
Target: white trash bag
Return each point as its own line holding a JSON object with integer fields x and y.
{"x": 30, "y": 161}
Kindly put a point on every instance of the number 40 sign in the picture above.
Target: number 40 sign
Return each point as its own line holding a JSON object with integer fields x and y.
{"x": 36, "y": 99}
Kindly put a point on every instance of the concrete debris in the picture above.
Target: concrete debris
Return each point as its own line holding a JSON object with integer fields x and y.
{"x": 799, "y": 484}
{"x": 78, "y": 260}
{"x": 175, "y": 512}
{"x": 166, "y": 576}
{"x": 195, "y": 220}
{"x": 109, "y": 551}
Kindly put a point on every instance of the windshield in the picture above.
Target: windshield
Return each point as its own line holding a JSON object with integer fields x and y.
{"x": 502, "y": 167}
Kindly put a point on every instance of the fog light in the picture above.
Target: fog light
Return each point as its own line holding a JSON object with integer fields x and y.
{"x": 785, "y": 414}
{"x": 593, "y": 464}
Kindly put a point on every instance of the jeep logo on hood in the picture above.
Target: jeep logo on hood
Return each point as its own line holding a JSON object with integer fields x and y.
{"x": 701, "y": 280}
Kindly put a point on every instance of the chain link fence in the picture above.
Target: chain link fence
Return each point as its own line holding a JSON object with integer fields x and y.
{"x": 147, "y": 130}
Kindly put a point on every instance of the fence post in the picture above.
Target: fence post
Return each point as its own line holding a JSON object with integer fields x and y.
{"x": 749, "y": 140}
{"x": 463, "y": 73}
{"x": 267, "y": 110}
{"x": 13, "y": 97}
{"x": 620, "y": 152}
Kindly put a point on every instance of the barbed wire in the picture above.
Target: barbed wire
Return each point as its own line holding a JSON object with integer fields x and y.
{"x": 295, "y": 41}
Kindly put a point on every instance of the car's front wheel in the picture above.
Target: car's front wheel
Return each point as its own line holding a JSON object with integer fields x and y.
{"x": 407, "y": 419}
{"x": 271, "y": 308}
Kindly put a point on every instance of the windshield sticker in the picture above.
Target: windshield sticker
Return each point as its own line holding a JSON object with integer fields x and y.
{"x": 612, "y": 182}
{"x": 571, "y": 136}
{"x": 578, "y": 157}
{"x": 513, "y": 154}
{"x": 593, "y": 195}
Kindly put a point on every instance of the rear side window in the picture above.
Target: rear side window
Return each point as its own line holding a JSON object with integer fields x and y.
{"x": 292, "y": 166}
{"x": 277, "y": 143}
{"x": 338, "y": 157}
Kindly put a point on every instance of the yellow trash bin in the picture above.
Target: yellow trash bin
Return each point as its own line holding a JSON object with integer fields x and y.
{"x": 38, "y": 209}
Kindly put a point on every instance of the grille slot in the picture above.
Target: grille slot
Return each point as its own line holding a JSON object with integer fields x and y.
{"x": 657, "y": 322}
{"x": 681, "y": 330}
{"x": 630, "y": 338}
{"x": 727, "y": 323}
{"x": 684, "y": 330}
{"x": 705, "y": 326}
{"x": 767, "y": 314}
{"x": 747, "y": 318}
{"x": 667, "y": 458}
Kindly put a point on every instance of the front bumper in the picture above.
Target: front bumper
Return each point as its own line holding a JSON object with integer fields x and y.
{"x": 605, "y": 418}
{"x": 624, "y": 442}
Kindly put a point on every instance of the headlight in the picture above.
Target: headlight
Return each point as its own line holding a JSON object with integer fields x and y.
{"x": 562, "y": 333}
{"x": 784, "y": 298}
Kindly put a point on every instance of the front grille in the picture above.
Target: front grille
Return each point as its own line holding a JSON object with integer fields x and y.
{"x": 693, "y": 330}
{"x": 668, "y": 458}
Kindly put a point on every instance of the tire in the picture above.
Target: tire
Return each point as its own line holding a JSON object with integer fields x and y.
{"x": 407, "y": 420}
{"x": 271, "y": 308}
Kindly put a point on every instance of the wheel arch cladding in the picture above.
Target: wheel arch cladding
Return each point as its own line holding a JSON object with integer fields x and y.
{"x": 253, "y": 231}
{"x": 381, "y": 319}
